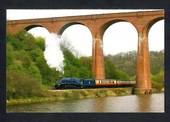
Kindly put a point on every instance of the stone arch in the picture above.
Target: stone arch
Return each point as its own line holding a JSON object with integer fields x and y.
{"x": 65, "y": 26}
{"x": 75, "y": 40}
{"x": 113, "y": 39}
{"x": 109, "y": 23}
{"x": 151, "y": 23}
{"x": 29, "y": 27}
{"x": 152, "y": 33}
{"x": 156, "y": 42}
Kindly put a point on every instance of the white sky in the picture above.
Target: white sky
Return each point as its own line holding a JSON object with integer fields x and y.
{"x": 119, "y": 37}
{"x": 15, "y": 14}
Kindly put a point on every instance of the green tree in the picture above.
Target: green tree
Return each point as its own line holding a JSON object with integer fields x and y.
{"x": 110, "y": 69}
{"x": 22, "y": 85}
{"x": 40, "y": 43}
{"x": 10, "y": 55}
{"x": 114, "y": 73}
{"x": 121, "y": 75}
{"x": 74, "y": 66}
{"x": 158, "y": 80}
{"x": 26, "y": 67}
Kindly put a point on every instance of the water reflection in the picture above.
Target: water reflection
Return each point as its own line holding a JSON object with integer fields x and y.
{"x": 133, "y": 103}
{"x": 99, "y": 105}
{"x": 144, "y": 103}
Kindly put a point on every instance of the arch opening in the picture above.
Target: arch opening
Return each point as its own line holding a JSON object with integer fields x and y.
{"x": 156, "y": 48}
{"x": 153, "y": 22}
{"x": 32, "y": 27}
{"x": 119, "y": 47}
{"x": 156, "y": 36}
{"x": 68, "y": 25}
{"x": 108, "y": 24}
{"x": 37, "y": 31}
{"x": 78, "y": 37}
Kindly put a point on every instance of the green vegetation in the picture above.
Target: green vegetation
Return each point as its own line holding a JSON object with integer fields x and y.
{"x": 29, "y": 76}
{"x": 158, "y": 80}
{"x": 58, "y": 95}
{"x": 27, "y": 70}
{"x": 114, "y": 73}
{"x": 74, "y": 66}
{"x": 126, "y": 63}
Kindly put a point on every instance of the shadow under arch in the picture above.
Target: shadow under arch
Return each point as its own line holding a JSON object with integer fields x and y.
{"x": 63, "y": 28}
{"x": 151, "y": 23}
{"x": 105, "y": 26}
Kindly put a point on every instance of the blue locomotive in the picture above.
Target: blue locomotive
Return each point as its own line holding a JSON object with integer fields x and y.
{"x": 69, "y": 83}
{"x": 90, "y": 83}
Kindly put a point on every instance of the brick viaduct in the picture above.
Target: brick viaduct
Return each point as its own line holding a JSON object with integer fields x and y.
{"x": 97, "y": 24}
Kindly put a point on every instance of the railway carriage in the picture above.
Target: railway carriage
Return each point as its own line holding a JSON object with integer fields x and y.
{"x": 105, "y": 82}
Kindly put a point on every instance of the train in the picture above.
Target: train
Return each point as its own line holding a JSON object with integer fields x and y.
{"x": 69, "y": 83}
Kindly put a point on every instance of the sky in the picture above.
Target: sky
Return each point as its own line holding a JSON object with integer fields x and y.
{"x": 119, "y": 37}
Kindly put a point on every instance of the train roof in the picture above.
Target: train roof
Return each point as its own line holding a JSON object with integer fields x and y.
{"x": 71, "y": 78}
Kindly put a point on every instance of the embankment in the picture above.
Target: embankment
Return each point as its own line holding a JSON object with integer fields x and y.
{"x": 58, "y": 95}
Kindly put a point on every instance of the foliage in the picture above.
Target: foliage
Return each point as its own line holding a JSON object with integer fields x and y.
{"x": 158, "y": 80}
{"x": 157, "y": 61}
{"x": 113, "y": 73}
{"x": 40, "y": 43}
{"x": 126, "y": 62}
{"x": 27, "y": 69}
{"x": 110, "y": 69}
{"x": 22, "y": 85}
{"x": 74, "y": 66}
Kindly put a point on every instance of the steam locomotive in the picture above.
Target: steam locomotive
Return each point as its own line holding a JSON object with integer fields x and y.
{"x": 91, "y": 83}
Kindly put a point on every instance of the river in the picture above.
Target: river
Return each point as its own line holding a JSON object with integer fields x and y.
{"x": 132, "y": 103}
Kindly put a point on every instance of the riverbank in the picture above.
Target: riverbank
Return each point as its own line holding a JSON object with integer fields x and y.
{"x": 131, "y": 103}
{"x": 59, "y": 95}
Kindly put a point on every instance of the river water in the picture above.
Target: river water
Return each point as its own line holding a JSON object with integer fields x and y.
{"x": 132, "y": 103}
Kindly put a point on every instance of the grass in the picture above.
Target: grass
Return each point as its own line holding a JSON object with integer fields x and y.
{"x": 58, "y": 95}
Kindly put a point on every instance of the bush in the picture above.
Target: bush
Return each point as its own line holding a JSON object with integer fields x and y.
{"x": 25, "y": 54}
{"x": 22, "y": 85}
{"x": 122, "y": 75}
{"x": 158, "y": 80}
